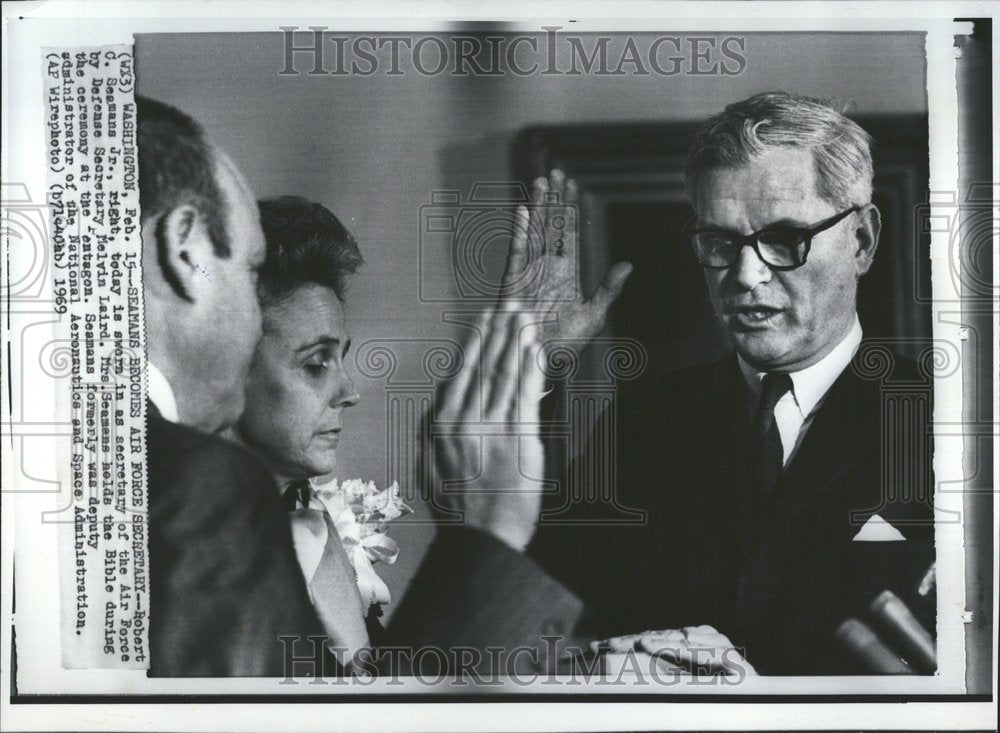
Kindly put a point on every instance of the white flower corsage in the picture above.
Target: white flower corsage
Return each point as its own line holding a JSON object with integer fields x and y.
{"x": 361, "y": 513}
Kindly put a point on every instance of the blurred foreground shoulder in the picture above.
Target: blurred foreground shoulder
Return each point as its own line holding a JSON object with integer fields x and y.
{"x": 224, "y": 580}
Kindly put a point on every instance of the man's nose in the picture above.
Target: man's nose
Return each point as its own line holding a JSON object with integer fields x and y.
{"x": 749, "y": 270}
{"x": 254, "y": 328}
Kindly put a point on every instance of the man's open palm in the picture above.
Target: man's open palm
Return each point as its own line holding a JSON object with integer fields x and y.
{"x": 495, "y": 479}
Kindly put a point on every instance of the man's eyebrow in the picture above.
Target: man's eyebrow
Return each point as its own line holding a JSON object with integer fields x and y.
{"x": 787, "y": 222}
{"x": 784, "y": 222}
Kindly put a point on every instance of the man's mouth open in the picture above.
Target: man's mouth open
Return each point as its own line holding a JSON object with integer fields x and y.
{"x": 752, "y": 317}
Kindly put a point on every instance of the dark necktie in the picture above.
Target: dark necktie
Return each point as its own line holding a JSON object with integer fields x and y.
{"x": 767, "y": 455}
{"x": 297, "y": 492}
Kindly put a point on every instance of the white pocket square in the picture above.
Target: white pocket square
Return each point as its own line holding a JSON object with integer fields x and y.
{"x": 877, "y": 529}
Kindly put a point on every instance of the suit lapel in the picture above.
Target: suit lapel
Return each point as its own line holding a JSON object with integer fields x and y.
{"x": 722, "y": 463}
{"x": 720, "y": 433}
{"x": 838, "y": 436}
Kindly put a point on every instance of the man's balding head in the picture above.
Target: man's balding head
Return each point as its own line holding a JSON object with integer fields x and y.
{"x": 202, "y": 244}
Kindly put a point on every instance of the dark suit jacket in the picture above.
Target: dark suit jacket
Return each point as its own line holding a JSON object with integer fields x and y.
{"x": 777, "y": 586}
{"x": 778, "y": 578}
{"x": 224, "y": 581}
{"x": 473, "y": 591}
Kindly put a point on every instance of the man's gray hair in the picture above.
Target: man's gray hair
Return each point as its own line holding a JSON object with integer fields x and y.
{"x": 744, "y": 130}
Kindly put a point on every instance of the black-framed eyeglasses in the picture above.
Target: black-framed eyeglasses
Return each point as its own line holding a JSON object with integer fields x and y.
{"x": 780, "y": 248}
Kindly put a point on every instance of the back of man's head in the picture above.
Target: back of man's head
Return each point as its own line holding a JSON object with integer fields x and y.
{"x": 202, "y": 244}
{"x": 176, "y": 168}
{"x": 744, "y": 130}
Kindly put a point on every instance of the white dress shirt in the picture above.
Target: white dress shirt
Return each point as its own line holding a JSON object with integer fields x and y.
{"x": 161, "y": 394}
{"x": 796, "y": 409}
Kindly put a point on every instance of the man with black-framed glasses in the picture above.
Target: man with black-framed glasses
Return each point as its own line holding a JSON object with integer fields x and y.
{"x": 789, "y": 470}
{"x": 783, "y": 487}
{"x": 778, "y": 247}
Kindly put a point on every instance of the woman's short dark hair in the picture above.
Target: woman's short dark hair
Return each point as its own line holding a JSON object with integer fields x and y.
{"x": 306, "y": 243}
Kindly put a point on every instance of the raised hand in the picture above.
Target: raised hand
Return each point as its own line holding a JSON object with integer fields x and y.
{"x": 486, "y": 418}
{"x": 490, "y": 415}
{"x": 553, "y": 233}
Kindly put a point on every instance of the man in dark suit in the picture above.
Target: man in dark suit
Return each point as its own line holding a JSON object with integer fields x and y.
{"x": 224, "y": 580}
{"x": 784, "y": 486}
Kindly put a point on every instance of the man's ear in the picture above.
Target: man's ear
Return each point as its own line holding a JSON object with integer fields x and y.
{"x": 866, "y": 234}
{"x": 183, "y": 246}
